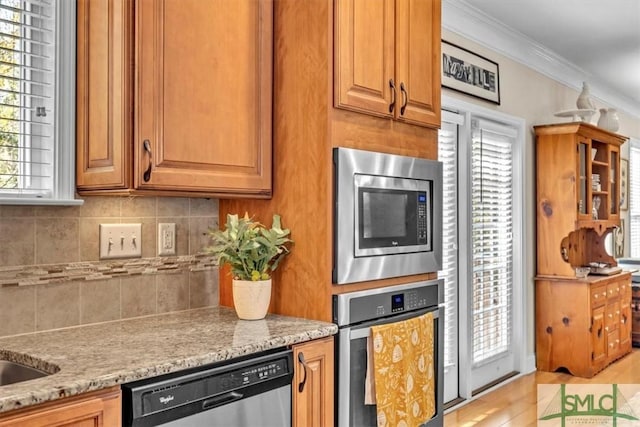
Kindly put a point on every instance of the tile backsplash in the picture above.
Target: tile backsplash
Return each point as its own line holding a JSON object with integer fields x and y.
{"x": 51, "y": 276}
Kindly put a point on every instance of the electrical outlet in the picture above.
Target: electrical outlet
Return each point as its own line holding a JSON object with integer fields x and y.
{"x": 166, "y": 238}
{"x": 120, "y": 241}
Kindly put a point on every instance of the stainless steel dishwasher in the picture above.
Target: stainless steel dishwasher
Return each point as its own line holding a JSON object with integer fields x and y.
{"x": 255, "y": 391}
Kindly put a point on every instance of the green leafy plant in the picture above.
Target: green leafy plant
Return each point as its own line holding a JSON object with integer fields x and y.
{"x": 251, "y": 250}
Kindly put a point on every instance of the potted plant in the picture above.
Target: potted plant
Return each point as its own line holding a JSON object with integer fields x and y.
{"x": 252, "y": 251}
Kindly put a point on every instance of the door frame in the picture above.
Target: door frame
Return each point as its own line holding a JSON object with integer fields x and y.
{"x": 521, "y": 318}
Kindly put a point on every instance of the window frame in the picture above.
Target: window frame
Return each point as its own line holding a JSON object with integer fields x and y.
{"x": 64, "y": 121}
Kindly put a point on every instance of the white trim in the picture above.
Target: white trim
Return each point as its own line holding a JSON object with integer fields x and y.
{"x": 460, "y": 17}
{"x": 530, "y": 364}
{"x": 65, "y": 111}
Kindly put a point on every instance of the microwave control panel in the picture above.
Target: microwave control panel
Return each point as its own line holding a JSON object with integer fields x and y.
{"x": 422, "y": 218}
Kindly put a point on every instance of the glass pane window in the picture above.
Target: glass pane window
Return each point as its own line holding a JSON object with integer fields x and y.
{"x": 492, "y": 243}
{"x": 634, "y": 199}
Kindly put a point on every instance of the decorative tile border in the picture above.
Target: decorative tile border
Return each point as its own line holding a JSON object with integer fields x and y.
{"x": 29, "y": 275}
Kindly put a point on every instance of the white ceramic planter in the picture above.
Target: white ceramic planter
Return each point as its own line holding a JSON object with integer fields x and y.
{"x": 251, "y": 299}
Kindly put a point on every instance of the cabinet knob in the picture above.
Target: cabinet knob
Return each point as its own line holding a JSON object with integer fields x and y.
{"x": 610, "y": 315}
{"x": 595, "y": 296}
{"x": 565, "y": 320}
{"x": 549, "y": 329}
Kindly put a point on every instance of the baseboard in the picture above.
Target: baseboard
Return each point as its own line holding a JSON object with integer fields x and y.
{"x": 530, "y": 364}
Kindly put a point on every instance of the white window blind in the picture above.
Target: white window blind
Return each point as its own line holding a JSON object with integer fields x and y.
{"x": 634, "y": 199}
{"x": 447, "y": 154}
{"x": 36, "y": 101}
{"x": 492, "y": 246}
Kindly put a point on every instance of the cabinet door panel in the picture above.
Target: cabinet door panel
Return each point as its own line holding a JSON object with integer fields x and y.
{"x": 204, "y": 95}
{"x": 598, "y": 335}
{"x": 313, "y": 406}
{"x": 364, "y": 61}
{"x": 417, "y": 58}
{"x": 104, "y": 88}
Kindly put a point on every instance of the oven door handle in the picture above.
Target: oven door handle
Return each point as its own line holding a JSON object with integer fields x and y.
{"x": 355, "y": 334}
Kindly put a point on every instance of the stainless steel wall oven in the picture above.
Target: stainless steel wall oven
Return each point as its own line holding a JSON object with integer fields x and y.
{"x": 355, "y": 313}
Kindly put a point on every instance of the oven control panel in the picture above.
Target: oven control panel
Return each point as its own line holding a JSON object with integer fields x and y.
{"x": 375, "y": 303}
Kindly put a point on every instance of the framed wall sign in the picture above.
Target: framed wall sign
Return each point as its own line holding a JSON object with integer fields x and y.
{"x": 466, "y": 72}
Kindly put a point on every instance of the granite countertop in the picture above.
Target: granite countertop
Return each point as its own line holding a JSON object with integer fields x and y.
{"x": 102, "y": 355}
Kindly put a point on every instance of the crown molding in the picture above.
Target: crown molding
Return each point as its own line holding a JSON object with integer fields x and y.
{"x": 460, "y": 17}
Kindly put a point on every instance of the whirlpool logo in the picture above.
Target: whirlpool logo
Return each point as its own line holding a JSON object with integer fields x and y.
{"x": 588, "y": 404}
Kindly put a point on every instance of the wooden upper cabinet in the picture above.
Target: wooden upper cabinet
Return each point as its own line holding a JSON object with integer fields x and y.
{"x": 104, "y": 94}
{"x": 387, "y": 58}
{"x": 578, "y": 195}
{"x": 201, "y": 96}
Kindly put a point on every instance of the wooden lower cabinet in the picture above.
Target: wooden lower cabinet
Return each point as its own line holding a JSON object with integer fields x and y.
{"x": 101, "y": 408}
{"x": 582, "y": 325}
{"x": 313, "y": 384}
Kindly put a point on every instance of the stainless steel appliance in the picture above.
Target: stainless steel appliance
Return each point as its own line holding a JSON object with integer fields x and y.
{"x": 355, "y": 313}
{"x": 251, "y": 392}
{"x": 387, "y": 216}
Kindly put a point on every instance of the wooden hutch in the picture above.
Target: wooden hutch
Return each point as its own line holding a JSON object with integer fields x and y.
{"x": 582, "y": 324}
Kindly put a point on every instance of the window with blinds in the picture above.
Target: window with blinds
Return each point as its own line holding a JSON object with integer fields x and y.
{"x": 634, "y": 199}
{"x": 447, "y": 154}
{"x": 491, "y": 245}
{"x": 35, "y": 150}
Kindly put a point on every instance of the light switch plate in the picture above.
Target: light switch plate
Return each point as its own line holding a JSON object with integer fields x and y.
{"x": 120, "y": 241}
{"x": 166, "y": 238}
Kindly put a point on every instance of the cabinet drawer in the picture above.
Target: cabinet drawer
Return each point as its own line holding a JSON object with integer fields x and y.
{"x": 612, "y": 316}
{"x": 625, "y": 289}
{"x": 613, "y": 290}
{"x": 598, "y": 295}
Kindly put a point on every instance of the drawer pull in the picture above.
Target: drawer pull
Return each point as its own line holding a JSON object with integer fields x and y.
{"x": 392, "y": 105}
{"x": 405, "y": 98}
{"x": 305, "y": 366}
{"x": 147, "y": 174}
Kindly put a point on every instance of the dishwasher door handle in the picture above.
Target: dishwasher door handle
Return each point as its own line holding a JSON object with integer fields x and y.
{"x": 221, "y": 400}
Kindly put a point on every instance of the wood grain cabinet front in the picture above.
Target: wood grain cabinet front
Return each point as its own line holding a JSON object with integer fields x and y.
{"x": 172, "y": 112}
{"x": 313, "y": 384}
{"x": 101, "y": 408}
{"x": 387, "y": 59}
{"x": 578, "y": 327}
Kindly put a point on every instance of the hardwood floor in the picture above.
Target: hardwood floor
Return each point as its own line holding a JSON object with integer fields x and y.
{"x": 514, "y": 404}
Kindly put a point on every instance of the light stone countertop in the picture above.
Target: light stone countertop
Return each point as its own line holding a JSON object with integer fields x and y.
{"x": 98, "y": 356}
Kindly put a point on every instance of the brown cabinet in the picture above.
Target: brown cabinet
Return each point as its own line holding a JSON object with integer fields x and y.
{"x": 313, "y": 384}
{"x": 387, "y": 59}
{"x": 307, "y": 126}
{"x": 167, "y": 111}
{"x": 578, "y": 195}
{"x": 582, "y": 324}
{"x": 101, "y": 408}
{"x": 577, "y": 327}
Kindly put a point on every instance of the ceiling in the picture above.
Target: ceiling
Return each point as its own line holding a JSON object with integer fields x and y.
{"x": 600, "y": 38}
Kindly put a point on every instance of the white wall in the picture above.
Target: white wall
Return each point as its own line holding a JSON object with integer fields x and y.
{"x": 534, "y": 97}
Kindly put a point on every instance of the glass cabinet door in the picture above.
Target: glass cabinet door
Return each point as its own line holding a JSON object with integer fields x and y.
{"x": 614, "y": 174}
{"x": 583, "y": 149}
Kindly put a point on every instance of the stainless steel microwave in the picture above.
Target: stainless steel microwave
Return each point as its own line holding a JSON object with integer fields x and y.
{"x": 387, "y": 216}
